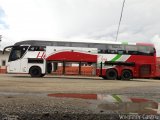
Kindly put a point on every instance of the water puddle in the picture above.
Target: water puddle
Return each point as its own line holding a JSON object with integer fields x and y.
{"x": 116, "y": 103}
{"x": 104, "y": 102}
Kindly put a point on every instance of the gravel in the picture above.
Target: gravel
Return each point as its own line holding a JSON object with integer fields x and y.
{"x": 50, "y": 108}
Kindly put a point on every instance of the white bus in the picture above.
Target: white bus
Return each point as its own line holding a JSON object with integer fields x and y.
{"x": 113, "y": 60}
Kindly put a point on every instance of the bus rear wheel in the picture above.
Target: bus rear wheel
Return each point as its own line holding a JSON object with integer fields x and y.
{"x": 35, "y": 71}
{"x": 126, "y": 75}
{"x": 111, "y": 74}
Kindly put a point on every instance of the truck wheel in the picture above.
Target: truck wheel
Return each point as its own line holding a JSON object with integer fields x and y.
{"x": 35, "y": 71}
{"x": 111, "y": 74}
{"x": 126, "y": 75}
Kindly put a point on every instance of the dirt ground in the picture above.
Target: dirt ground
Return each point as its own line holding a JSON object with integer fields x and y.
{"x": 54, "y": 84}
{"x": 21, "y": 95}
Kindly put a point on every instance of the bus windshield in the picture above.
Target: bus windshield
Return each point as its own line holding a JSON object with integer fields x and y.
{"x": 17, "y": 52}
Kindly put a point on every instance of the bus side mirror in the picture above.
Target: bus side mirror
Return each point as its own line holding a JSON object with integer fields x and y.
{"x": 6, "y": 48}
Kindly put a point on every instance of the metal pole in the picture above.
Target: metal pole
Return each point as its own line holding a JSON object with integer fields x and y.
{"x": 120, "y": 20}
{"x": 0, "y": 38}
{"x": 64, "y": 67}
{"x": 80, "y": 68}
{"x": 101, "y": 65}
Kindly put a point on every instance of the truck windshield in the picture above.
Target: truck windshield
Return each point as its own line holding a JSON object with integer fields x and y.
{"x": 17, "y": 52}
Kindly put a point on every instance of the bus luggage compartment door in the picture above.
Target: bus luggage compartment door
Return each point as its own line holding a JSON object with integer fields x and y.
{"x": 145, "y": 70}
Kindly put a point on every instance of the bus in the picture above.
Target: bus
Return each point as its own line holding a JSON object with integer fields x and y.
{"x": 112, "y": 60}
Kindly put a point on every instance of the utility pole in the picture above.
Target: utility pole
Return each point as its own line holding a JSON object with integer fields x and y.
{"x": 120, "y": 20}
{"x": 0, "y": 39}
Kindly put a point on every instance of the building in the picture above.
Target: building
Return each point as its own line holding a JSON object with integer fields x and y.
{"x": 3, "y": 61}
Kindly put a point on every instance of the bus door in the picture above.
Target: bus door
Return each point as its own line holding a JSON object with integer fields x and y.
{"x": 14, "y": 62}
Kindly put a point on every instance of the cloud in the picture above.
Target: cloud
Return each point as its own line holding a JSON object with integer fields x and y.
{"x": 80, "y": 19}
{"x": 3, "y": 24}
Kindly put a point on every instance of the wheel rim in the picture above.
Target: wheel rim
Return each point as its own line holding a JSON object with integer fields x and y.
{"x": 127, "y": 75}
{"x": 112, "y": 74}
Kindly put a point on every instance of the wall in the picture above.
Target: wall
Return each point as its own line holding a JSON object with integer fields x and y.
{"x": 3, "y": 62}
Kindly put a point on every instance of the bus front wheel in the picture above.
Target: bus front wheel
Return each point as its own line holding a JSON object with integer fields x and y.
{"x": 126, "y": 75}
{"x": 35, "y": 71}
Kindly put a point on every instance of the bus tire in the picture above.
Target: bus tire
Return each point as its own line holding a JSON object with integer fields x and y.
{"x": 35, "y": 71}
{"x": 111, "y": 74}
{"x": 126, "y": 75}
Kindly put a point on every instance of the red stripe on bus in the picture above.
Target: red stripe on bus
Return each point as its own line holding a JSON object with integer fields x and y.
{"x": 73, "y": 56}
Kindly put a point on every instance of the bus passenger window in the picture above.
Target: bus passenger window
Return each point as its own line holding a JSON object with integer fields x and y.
{"x": 146, "y": 50}
{"x": 100, "y": 51}
{"x": 37, "y": 48}
{"x": 31, "y": 48}
{"x": 121, "y": 52}
{"x": 132, "y": 50}
{"x": 112, "y": 51}
{"x": 106, "y": 51}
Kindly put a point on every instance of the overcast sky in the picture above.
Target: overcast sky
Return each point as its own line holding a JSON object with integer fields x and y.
{"x": 80, "y": 19}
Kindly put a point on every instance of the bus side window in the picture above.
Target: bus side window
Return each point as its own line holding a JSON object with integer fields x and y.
{"x": 106, "y": 51}
{"x": 31, "y": 48}
{"x": 121, "y": 51}
{"x": 100, "y": 51}
{"x": 111, "y": 51}
{"x": 133, "y": 52}
{"x": 37, "y": 48}
{"x": 146, "y": 50}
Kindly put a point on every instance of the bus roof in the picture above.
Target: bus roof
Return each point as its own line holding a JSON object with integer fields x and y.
{"x": 51, "y": 43}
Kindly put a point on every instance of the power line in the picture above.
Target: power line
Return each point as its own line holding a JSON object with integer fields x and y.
{"x": 120, "y": 20}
